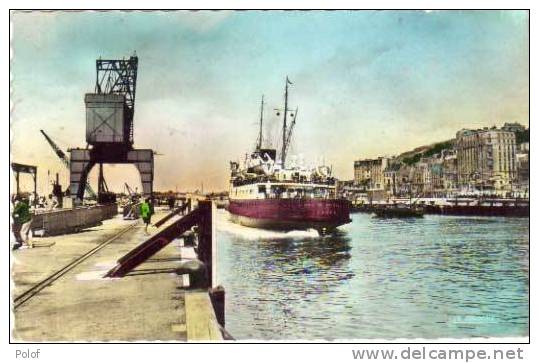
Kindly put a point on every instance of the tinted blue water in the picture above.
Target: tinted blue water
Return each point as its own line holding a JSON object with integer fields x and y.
{"x": 434, "y": 277}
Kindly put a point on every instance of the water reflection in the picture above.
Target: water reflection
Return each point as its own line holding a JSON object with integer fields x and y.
{"x": 295, "y": 267}
{"x": 432, "y": 277}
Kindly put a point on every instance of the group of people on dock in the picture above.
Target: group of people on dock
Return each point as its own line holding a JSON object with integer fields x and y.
{"x": 22, "y": 215}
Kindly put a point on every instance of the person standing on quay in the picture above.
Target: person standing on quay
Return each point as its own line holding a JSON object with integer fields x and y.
{"x": 171, "y": 202}
{"x": 146, "y": 211}
{"x": 23, "y": 217}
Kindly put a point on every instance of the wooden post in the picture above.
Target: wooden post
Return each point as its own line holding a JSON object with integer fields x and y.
{"x": 205, "y": 238}
{"x": 214, "y": 250}
{"x": 208, "y": 255}
{"x": 217, "y": 296}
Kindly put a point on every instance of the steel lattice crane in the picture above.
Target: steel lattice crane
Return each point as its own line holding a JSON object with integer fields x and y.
{"x": 110, "y": 110}
{"x": 65, "y": 160}
{"x": 129, "y": 190}
{"x": 119, "y": 76}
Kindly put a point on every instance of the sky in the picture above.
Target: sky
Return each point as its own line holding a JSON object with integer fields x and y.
{"x": 366, "y": 83}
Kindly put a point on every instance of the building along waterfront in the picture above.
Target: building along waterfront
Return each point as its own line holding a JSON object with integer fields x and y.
{"x": 486, "y": 158}
{"x": 488, "y": 161}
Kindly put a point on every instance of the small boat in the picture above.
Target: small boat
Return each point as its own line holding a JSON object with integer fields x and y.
{"x": 398, "y": 211}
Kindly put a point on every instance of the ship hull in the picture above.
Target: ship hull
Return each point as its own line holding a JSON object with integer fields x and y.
{"x": 290, "y": 214}
{"x": 481, "y": 210}
{"x": 398, "y": 212}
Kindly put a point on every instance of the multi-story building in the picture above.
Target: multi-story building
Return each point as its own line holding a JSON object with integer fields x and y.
{"x": 422, "y": 178}
{"x": 449, "y": 169}
{"x": 391, "y": 179}
{"x": 403, "y": 180}
{"x": 513, "y": 127}
{"x": 523, "y": 147}
{"x": 523, "y": 168}
{"x": 486, "y": 158}
{"x": 523, "y": 172}
{"x": 369, "y": 173}
{"x": 433, "y": 176}
{"x": 436, "y": 187}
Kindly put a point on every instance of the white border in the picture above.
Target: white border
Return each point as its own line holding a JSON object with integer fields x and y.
{"x": 240, "y": 353}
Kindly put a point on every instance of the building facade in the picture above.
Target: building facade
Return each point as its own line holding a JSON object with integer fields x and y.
{"x": 391, "y": 180}
{"x": 523, "y": 168}
{"x": 482, "y": 161}
{"x": 369, "y": 173}
{"x": 421, "y": 178}
{"x": 450, "y": 168}
{"x": 486, "y": 159}
{"x": 513, "y": 127}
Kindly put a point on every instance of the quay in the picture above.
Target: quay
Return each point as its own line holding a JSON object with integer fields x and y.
{"x": 60, "y": 293}
{"x": 61, "y": 221}
{"x": 455, "y": 206}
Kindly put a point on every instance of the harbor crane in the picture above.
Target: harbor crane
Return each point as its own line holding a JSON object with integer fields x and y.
{"x": 65, "y": 160}
{"x": 110, "y": 110}
{"x": 28, "y": 169}
{"x": 119, "y": 77}
{"x": 129, "y": 190}
{"x": 63, "y": 157}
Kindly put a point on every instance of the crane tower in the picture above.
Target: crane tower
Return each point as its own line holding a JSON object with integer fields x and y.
{"x": 109, "y": 126}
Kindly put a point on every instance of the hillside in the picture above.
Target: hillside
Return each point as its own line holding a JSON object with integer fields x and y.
{"x": 413, "y": 156}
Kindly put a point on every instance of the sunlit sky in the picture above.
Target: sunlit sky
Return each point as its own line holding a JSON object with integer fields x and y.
{"x": 367, "y": 83}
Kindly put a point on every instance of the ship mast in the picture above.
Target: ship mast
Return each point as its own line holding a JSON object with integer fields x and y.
{"x": 283, "y": 150}
{"x": 259, "y": 144}
{"x": 289, "y": 134}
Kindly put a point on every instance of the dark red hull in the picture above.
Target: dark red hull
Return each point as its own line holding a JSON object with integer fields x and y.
{"x": 481, "y": 210}
{"x": 288, "y": 214}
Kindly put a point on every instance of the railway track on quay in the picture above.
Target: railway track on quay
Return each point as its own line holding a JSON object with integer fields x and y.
{"x": 49, "y": 280}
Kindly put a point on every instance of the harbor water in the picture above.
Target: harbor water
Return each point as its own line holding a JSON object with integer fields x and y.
{"x": 431, "y": 277}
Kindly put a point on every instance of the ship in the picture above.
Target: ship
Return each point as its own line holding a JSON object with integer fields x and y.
{"x": 267, "y": 193}
{"x": 398, "y": 211}
{"x": 488, "y": 207}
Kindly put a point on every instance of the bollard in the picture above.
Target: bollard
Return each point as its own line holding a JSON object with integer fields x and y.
{"x": 189, "y": 239}
{"x": 217, "y": 296}
{"x": 197, "y": 273}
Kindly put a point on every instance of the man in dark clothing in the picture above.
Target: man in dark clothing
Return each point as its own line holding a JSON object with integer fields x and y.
{"x": 171, "y": 202}
{"x": 22, "y": 218}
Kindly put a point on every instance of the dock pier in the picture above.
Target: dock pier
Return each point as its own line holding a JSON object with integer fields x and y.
{"x": 114, "y": 283}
